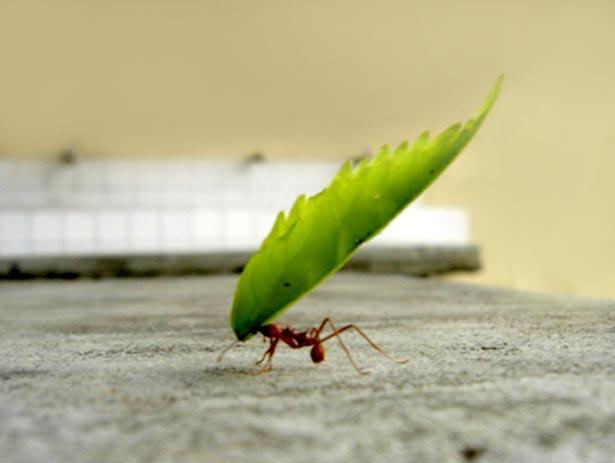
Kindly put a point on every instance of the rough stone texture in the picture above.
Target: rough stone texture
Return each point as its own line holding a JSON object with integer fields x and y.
{"x": 125, "y": 370}
{"x": 411, "y": 260}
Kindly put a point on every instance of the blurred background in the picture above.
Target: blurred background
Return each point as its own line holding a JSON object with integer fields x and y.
{"x": 181, "y": 126}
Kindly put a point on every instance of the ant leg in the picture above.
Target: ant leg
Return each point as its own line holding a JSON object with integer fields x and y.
{"x": 262, "y": 358}
{"x": 375, "y": 346}
{"x": 336, "y": 333}
{"x": 266, "y": 352}
{"x": 269, "y": 352}
{"x": 268, "y": 355}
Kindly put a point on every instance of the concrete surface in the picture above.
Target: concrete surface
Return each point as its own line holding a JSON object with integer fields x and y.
{"x": 417, "y": 260}
{"x": 124, "y": 370}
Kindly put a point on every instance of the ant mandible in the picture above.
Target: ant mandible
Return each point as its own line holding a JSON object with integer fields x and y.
{"x": 309, "y": 338}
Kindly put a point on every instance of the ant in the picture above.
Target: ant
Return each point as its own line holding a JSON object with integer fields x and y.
{"x": 308, "y": 338}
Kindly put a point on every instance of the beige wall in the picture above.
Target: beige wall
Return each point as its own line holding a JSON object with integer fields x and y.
{"x": 331, "y": 79}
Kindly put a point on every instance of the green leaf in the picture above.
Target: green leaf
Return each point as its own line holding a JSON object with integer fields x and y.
{"x": 321, "y": 232}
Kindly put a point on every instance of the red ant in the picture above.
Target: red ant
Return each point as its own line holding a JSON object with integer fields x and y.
{"x": 308, "y": 338}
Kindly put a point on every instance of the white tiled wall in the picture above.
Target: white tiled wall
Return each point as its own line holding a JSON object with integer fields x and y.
{"x": 108, "y": 207}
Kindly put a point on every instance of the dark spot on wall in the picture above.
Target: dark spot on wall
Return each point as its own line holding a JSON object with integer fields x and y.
{"x": 51, "y": 275}
{"x": 16, "y": 273}
{"x": 471, "y": 453}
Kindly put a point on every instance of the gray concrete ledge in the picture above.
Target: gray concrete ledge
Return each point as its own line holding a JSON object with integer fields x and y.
{"x": 125, "y": 371}
{"x": 415, "y": 260}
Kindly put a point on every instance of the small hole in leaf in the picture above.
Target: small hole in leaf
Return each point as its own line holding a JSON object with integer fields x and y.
{"x": 286, "y": 284}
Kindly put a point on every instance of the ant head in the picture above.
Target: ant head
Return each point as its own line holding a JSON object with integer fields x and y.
{"x": 271, "y": 330}
{"x": 317, "y": 353}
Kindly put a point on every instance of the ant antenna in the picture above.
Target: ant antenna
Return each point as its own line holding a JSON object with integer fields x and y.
{"x": 226, "y": 349}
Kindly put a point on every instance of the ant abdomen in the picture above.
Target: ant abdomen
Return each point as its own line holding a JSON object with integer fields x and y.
{"x": 317, "y": 353}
